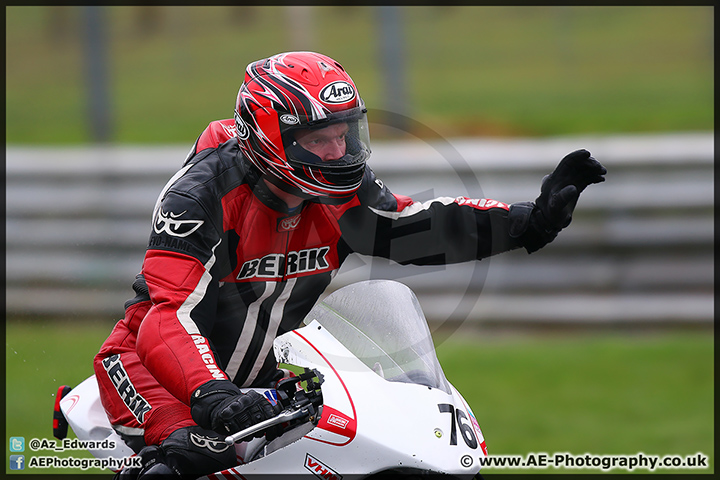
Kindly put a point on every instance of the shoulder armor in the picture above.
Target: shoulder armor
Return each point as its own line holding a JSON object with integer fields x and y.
{"x": 216, "y": 133}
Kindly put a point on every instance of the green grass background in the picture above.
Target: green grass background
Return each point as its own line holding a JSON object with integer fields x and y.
{"x": 494, "y": 71}
{"x": 483, "y": 70}
{"x": 609, "y": 393}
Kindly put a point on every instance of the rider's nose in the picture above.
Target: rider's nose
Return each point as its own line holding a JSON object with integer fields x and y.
{"x": 334, "y": 151}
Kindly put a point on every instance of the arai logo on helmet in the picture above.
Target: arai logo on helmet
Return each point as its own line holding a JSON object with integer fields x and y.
{"x": 288, "y": 119}
{"x": 337, "y": 92}
{"x": 243, "y": 132}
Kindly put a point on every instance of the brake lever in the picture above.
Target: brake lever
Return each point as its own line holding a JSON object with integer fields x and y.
{"x": 305, "y": 405}
{"x": 282, "y": 417}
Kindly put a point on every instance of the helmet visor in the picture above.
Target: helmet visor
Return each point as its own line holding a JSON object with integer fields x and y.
{"x": 328, "y": 158}
{"x": 342, "y": 139}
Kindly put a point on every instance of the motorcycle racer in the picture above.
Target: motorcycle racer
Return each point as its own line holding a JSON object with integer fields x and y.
{"x": 247, "y": 235}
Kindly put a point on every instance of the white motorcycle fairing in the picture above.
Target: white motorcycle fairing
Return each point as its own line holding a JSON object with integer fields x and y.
{"x": 386, "y": 404}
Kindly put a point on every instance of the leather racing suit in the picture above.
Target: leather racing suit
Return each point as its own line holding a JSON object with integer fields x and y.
{"x": 228, "y": 268}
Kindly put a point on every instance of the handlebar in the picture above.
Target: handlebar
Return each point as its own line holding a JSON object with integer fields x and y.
{"x": 282, "y": 417}
{"x": 300, "y": 405}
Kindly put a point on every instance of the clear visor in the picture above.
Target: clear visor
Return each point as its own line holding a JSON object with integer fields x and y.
{"x": 341, "y": 140}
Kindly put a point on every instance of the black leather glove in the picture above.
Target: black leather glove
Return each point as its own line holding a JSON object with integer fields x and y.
{"x": 537, "y": 224}
{"x": 219, "y": 405}
{"x": 560, "y": 190}
{"x": 153, "y": 466}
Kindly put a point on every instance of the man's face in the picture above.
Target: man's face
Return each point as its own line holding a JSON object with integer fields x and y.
{"x": 327, "y": 143}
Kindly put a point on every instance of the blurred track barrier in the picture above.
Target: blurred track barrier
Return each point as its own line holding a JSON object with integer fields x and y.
{"x": 639, "y": 250}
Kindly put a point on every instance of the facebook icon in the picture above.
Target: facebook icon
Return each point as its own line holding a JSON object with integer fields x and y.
{"x": 17, "y": 462}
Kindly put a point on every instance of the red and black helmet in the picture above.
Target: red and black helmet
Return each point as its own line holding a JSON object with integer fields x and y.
{"x": 300, "y": 91}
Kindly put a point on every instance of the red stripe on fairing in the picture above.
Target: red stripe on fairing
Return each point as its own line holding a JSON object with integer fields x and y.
{"x": 326, "y": 413}
{"x": 337, "y": 422}
{"x": 229, "y": 474}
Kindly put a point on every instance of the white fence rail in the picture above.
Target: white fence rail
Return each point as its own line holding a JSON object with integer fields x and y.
{"x": 640, "y": 248}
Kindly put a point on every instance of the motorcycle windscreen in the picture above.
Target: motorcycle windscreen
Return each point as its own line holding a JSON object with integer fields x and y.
{"x": 382, "y": 324}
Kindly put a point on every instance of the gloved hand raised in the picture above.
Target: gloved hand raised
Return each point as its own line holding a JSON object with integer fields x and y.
{"x": 219, "y": 405}
{"x": 537, "y": 223}
{"x": 560, "y": 190}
